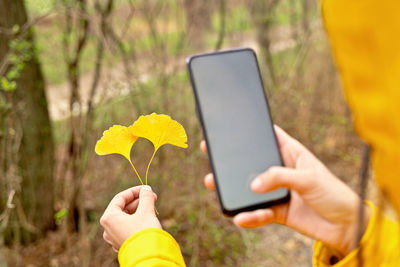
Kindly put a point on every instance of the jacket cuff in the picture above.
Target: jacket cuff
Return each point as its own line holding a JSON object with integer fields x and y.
{"x": 150, "y": 247}
{"x": 325, "y": 256}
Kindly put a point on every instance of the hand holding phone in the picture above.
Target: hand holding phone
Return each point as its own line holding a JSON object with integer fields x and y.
{"x": 321, "y": 206}
{"x": 237, "y": 126}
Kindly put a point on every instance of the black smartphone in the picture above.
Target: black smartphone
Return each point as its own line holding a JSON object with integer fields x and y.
{"x": 237, "y": 126}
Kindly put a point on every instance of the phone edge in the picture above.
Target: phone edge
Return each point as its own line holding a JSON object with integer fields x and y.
{"x": 225, "y": 211}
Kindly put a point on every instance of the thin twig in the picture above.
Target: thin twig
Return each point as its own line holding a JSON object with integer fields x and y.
{"x": 222, "y": 24}
{"x": 9, "y": 206}
{"x": 24, "y": 28}
{"x": 23, "y": 220}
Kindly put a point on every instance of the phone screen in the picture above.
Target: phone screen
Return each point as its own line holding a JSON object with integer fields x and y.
{"x": 237, "y": 124}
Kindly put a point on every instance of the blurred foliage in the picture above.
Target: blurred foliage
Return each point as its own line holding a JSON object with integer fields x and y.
{"x": 19, "y": 53}
{"x": 287, "y": 12}
{"x": 60, "y": 215}
{"x": 40, "y": 7}
{"x": 237, "y": 20}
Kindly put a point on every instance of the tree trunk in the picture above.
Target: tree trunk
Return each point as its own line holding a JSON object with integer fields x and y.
{"x": 36, "y": 151}
{"x": 198, "y": 20}
{"x": 262, "y": 10}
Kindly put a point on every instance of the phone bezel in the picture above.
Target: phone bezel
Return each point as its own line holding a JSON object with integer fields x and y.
{"x": 226, "y": 211}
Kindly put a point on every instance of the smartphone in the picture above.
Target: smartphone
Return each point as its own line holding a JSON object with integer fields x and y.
{"x": 237, "y": 126}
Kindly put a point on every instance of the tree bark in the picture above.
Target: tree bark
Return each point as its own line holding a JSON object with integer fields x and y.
{"x": 36, "y": 151}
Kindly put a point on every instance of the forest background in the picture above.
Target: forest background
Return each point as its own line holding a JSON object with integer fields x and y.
{"x": 69, "y": 69}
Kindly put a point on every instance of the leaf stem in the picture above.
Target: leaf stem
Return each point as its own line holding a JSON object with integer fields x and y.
{"x": 137, "y": 173}
{"x": 148, "y": 166}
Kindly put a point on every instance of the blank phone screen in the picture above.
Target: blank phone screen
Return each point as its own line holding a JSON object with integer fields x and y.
{"x": 237, "y": 124}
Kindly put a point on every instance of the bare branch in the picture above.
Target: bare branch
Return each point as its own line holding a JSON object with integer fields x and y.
{"x": 128, "y": 20}
{"x": 24, "y": 28}
{"x": 9, "y": 206}
{"x": 222, "y": 26}
{"x": 23, "y": 220}
{"x": 104, "y": 15}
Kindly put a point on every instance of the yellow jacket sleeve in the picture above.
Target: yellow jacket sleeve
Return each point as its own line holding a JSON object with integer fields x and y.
{"x": 379, "y": 246}
{"x": 151, "y": 247}
{"x": 365, "y": 40}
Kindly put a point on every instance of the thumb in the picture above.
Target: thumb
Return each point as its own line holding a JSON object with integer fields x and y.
{"x": 282, "y": 177}
{"x": 146, "y": 200}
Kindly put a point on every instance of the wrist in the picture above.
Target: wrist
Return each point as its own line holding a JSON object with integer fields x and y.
{"x": 355, "y": 231}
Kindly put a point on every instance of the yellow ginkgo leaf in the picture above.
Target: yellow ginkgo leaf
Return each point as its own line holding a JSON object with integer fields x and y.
{"x": 117, "y": 139}
{"x": 160, "y": 129}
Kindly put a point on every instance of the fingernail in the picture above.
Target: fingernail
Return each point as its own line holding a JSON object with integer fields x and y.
{"x": 147, "y": 187}
{"x": 256, "y": 184}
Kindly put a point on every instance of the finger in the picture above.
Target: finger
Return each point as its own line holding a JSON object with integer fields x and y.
{"x": 203, "y": 146}
{"x": 146, "y": 201}
{"x": 281, "y": 177}
{"x": 209, "y": 181}
{"x": 123, "y": 198}
{"x": 287, "y": 147}
{"x": 132, "y": 207}
{"x": 115, "y": 250}
{"x": 254, "y": 219}
{"x": 282, "y": 136}
{"x": 291, "y": 149}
